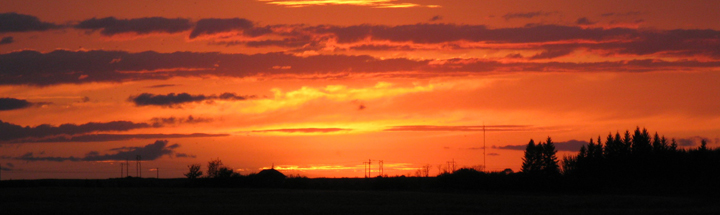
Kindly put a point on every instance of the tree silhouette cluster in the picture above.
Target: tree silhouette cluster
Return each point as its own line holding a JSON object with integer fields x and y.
{"x": 638, "y": 160}
{"x": 540, "y": 159}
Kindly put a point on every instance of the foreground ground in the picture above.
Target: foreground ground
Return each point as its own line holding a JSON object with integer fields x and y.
{"x": 67, "y": 200}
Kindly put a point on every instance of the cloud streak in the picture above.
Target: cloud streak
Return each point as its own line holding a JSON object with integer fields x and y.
{"x": 151, "y": 151}
{"x": 570, "y": 146}
{"x": 13, "y": 104}
{"x": 367, "y": 3}
{"x": 17, "y": 132}
{"x": 6, "y": 40}
{"x": 111, "y": 26}
{"x": 174, "y": 100}
{"x": 61, "y": 67}
{"x": 472, "y": 128}
{"x": 527, "y": 15}
{"x": 14, "y": 22}
{"x": 112, "y": 137}
{"x": 304, "y": 130}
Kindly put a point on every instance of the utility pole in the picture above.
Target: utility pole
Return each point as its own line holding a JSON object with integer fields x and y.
{"x": 365, "y": 169}
{"x": 369, "y": 169}
{"x": 121, "y": 170}
{"x": 158, "y": 172}
{"x": 127, "y": 167}
{"x": 484, "y": 148}
{"x": 139, "y": 167}
{"x": 380, "y": 167}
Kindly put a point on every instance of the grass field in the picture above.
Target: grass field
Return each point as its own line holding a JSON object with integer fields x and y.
{"x": 78, "y": 200}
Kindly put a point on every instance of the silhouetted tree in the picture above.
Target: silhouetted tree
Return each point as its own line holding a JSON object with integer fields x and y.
{"x": 549, "y": 159}
{"x": 531, "y": 162}
{"x": 193, "y": 171}
{"x": 214, "y": 168}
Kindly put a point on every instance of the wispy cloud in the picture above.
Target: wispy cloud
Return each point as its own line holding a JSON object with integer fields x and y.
{"x": 570, "y": 145}
{"x": 527, "y": 15}
{"x": 111, "y": 26}
{"x": 367, "y": 3}
{"x": 464, "y": 128}
{"x": 304, "y": 130}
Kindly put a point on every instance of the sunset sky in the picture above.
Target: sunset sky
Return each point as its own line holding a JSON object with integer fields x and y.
{"x": 317, "y": 87}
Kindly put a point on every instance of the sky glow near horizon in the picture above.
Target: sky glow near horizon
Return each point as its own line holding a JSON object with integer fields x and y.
{"x": 316, "y": 88}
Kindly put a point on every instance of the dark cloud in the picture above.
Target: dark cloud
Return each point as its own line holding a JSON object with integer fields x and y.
{"x": 13, "y": 104}
{"x": 112, "y": 137}
{"x": 151, "y": 151}
{"x": 214, "y": 26}
{"x": 173, "y": 100}
{"x": 692, "y": 141}
{"x": 6, "y": 40}
{"x": 584, "y": 21}
{"x": 57, "y": 67}
{"x": 157, "y": 121}
{"x": 553, "y": 53}
{"x": 9, "y": 165}
{"x": 61, "y": 67}
{"x": 631, "y": 13}
{"x": 435, "y": 18}
{"x": 183, "y": 155}
{"x": 17, "y": 132}
{"x": 13, "y": 22}
{"x": 493, "y": 154}
{"x": 305, "y": 130}
{"x": 570, "y": 145}
{"x": 527, "y": 15}
{"x": 161, "y": 85}
{"x": 111, "y": 26}
{"x": 462, "y": 128}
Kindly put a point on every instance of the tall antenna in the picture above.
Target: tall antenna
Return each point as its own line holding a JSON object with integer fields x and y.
{"x": 484, "y": 148}
{"x": 127, "y": 167}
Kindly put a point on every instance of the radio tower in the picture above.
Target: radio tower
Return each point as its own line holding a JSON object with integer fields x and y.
{"x": 484, "y": 148}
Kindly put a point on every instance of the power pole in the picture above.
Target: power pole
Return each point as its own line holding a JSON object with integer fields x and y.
{"x": 369, "y": 169}
{"x": 365, "y": 169}
{"x": 158, "y": 172}
{"x": 380, "y": 167}
{"x": 127, "y": 167}
{"x": 139, "y": 167}
{"x": 121, "y": 170}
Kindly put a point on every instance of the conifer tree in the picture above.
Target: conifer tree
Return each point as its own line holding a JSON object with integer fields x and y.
{"x": 550, "y": 161}
{"x": 529, "y": 160}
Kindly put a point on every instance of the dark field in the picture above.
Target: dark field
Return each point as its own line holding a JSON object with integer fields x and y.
{"x": 88, "y": 200}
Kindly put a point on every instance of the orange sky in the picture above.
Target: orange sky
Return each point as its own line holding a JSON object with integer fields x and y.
{"x": 319, "y": 87}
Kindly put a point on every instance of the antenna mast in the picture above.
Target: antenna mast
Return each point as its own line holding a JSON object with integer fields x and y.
{"x": 484, "y": 148}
